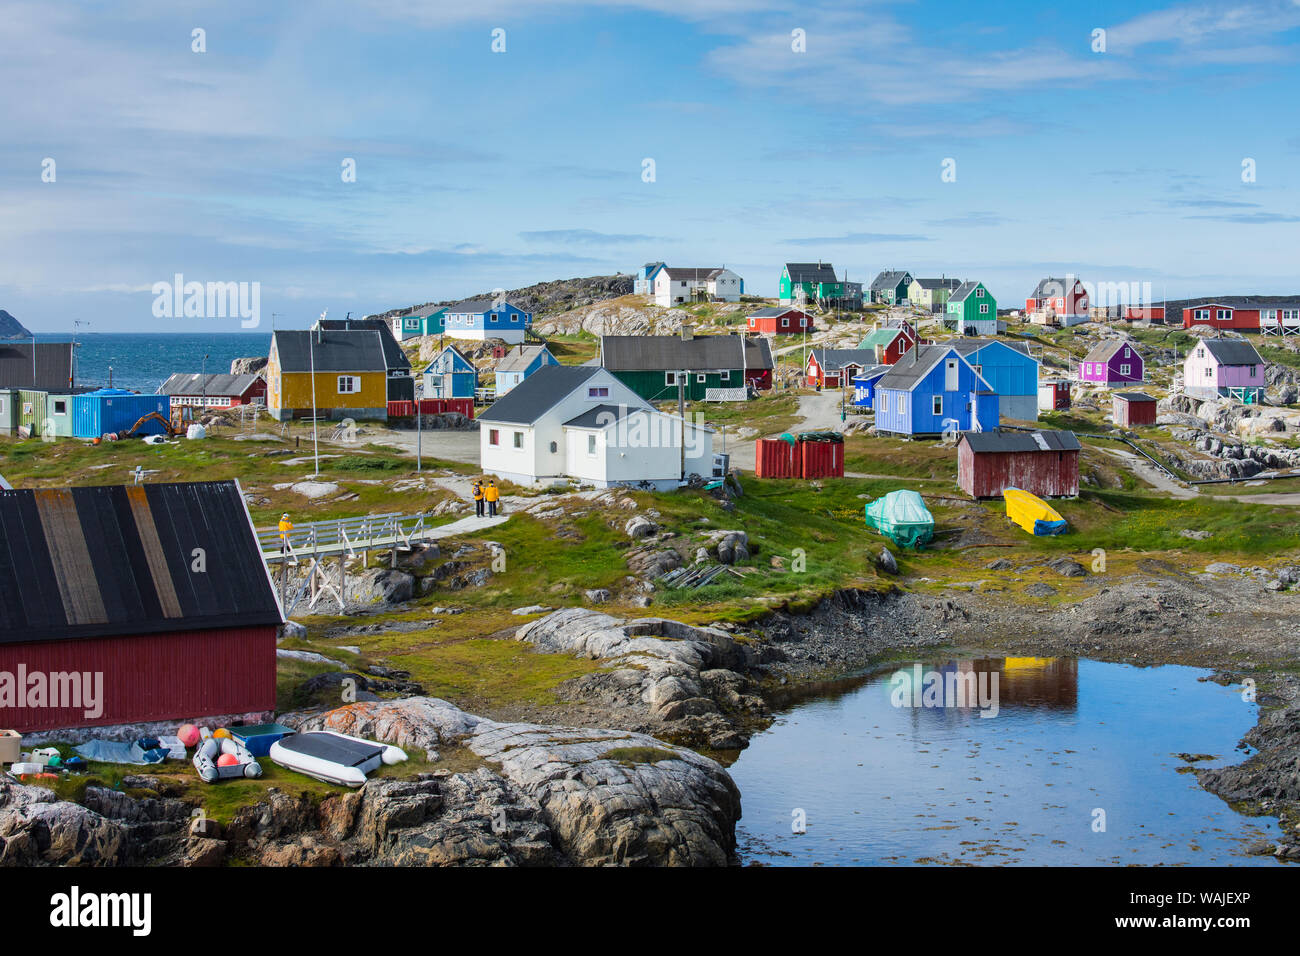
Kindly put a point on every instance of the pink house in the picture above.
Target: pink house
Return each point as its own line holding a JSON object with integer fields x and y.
{"x": 1218, "y": 368}
{"x": 1113, "y": 364}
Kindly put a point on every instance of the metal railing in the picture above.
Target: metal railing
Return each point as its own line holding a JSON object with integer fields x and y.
{"x": 344, "y": 536}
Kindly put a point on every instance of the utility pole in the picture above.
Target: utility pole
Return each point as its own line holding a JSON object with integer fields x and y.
{"x": 204, "y": 378}
{"x": 419, "y": 422}
{"x": 681, "y": 414}
{"x": 315, "y": 423}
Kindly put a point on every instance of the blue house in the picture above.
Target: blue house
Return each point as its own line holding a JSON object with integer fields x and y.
{"x": 1010, "y": 371}
{"x": 864, "y": 385}
{"x": 644, "y": 281}
{"x": 520, "y": 362}
{"x": 417, "y": 322}
{"x": 482, "y": 319}
{"x": 450, "y": 375}
{"x": 933, "y": 390}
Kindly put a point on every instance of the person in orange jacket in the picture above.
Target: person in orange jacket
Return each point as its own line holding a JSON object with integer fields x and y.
{"x": 285, "y": 527}
{"x": 478, "y": 498}
{"x": 493, "y": 496}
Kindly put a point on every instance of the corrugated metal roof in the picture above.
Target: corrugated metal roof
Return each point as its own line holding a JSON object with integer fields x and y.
{"x": 963, "y": 291}
{"x": 1233, "y": 351}
{"x": 758, "y": 354}
{"x": 118, "y": 560}
{"x": 53, "y": 368}
{"x": 355, "y": 351}
{"x": 520, "y": 357}
{"x": 692, "y": 273}
{"x": 832, "y": 360}
{"x": 393, "y": 355}
{"x": 1008, "y": 441}
{"x": 537, "y": 394}
{"x": 937, "y": 283}
{"x": 776, "y": 311}
{"x": 966, "y": 346}
{"x": 1052, "y": 288}
{"x": 916, "y": 364}
{"x": 656, "y": 353}
{"x": 810, "y": 271}
{"x": 888, "y": 279}
{"x": 214, "y": 384}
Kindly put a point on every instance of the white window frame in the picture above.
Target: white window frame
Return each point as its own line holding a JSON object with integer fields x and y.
{"x": 517, "y": 441}
{"x": 670, "y": 378}
{"x": 979, "y": 293}
{"x": 1126, "y": 369}
{"x": 984, "y": 308}
{"x": 592, "y": 451}
{"x": 1201, "y": 314}
{"x": 884, "y": 401}
{"x": 494, "y": 437}
{"x": 1223, "y": 315}
{"x": 598, "y": 391}
{"x": 701, "y": 377}
{"x": 353, "y": 383}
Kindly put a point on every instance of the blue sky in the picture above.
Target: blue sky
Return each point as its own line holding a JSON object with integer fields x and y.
{"x": 477, "y": 169}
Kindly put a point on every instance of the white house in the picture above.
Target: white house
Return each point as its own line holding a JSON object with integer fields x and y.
{"x": 581, "y": 422}
{"x": 673, "y": 285}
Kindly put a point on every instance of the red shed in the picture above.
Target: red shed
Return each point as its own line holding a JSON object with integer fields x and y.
{"x": 1133, "y": 408}
{"x": 1053, "y": 395}
{"x": 1144, "y": 313}
{"x": 1043, "y": 463}
{"x": 215, "y": 390}
{"x": 132, "y": 603}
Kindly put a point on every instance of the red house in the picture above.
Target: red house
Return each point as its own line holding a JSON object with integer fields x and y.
{"x": 1220, "y": 316}
{"x": 132, "y": 603}
{"x": 779, "y": 320}
{"x": 1133, "y": 408}
{"x": 1065, "y": 298}
{"x": 215, "y": 391}
{"x": 890, "y": 343}
{"x": 833, "y": 368}
{"x": 1043, "y": 463}
{"x": 758, "y": 364}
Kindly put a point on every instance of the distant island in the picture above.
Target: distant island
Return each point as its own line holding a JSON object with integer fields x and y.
{"x": 11, "y": 328}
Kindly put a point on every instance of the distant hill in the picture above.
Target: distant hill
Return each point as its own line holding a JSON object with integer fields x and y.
{"x": 559, "y": 295}
{"x": 11, "y": 328}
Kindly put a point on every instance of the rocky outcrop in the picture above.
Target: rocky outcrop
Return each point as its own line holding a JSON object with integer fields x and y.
{"x": 247, "y": 366}
{"x": 657, "y": 677}
{"x": 11, "y": 328}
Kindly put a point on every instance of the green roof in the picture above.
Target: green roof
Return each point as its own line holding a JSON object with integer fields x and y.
{"x": 879, "y": 337}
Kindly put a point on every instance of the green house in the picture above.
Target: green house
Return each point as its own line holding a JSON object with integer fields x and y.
{"x": 655, "y": 366}
{"x": 890, "y": 287}
{"x": 971, "y": 310}
{"x": 816, "y": 280}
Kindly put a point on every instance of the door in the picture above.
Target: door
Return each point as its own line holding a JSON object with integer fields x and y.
{"x": 950, "y": 375}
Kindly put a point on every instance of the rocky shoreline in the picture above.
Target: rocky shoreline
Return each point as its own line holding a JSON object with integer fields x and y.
{"x": 618, "y": 779}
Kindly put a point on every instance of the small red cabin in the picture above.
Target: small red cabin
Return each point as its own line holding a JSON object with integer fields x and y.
{"x": 779, "y": 320}
{"x": 1221, "y": 316}
{"x": 1043, "y": 463}
{"x": 1053, "y": 395}
{"x": 1133, "y": 408}
{"x": 1144, "y": 313}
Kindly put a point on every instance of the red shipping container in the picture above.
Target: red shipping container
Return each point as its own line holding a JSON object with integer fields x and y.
{"x": 774, "y": 458}
{"x": 463, "y": 405}
{"x": 821, "y": 459}
{"x": 401, "y": 409}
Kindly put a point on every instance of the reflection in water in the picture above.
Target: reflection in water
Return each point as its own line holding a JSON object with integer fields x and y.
{"x": 1056, "y": 761}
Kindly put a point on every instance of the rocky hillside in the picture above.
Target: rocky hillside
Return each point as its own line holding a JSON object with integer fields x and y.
{"x": 545, "y": 297}
{"x": 11, "y": 328}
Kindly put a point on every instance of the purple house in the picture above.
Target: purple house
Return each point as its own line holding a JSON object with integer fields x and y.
{"x": 1114, "y": 364}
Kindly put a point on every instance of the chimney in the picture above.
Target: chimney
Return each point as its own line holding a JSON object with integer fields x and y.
{"x": 688, "y": 332}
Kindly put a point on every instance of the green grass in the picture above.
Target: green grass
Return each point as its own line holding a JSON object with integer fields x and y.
{"x": 630, "y": 756}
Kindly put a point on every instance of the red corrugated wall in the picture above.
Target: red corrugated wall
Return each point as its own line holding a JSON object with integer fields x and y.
{"x": 774, "y": 458}
{"x": 175, "y": 676}
{"x": 1047, "y": 474}
{"x": 821, "y": 459}
{"x": 1135, "y": 413}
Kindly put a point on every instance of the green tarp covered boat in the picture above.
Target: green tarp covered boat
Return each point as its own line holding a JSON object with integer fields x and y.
{"x": 902, "y": 517}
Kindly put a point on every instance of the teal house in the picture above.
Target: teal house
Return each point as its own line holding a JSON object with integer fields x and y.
{"x": 427, "y": 321}
{"x": 971, "y": 310}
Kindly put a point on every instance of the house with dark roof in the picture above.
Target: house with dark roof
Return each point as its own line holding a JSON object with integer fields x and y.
{"x": 655, "y": 366}
{"x": 931, "y": 294}
{"x": 214, "y": 390}
{"x": 809, "y": 282}
{"x": 1058, "y": 301}
{"x": 146, "y": 602}
{"x": 582, "y": 423}
{"x": 327, "y": 373}
{"x": 778, "y": 320}
{"x": 1043, "y": 463}
{"x": 864, "y": 385}
{"x": 1115, "y": 363}
{"x": 835, "y": 368}
{"x": 482, "y": 319}
{"x": 890, "y": 287}
{"x": 450, "y": 375}
{"x": 674, "y": 285}
{"x": 401, "y": 382}
{"x": 971, "y": 310}
{"x": 934, "y": 391}
{"x": 1224, "y": 368}
{"x": 424, "y": 321}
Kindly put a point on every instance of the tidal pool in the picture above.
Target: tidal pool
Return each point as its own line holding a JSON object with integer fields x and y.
{"x": 1077, "y": 763}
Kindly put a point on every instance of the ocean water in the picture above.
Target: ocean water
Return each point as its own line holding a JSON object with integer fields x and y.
{"x": 1079, "y": 765}
{"x": 143, "y": 360}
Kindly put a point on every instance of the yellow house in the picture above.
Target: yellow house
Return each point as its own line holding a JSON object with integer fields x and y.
{"x": 351, "y": 375}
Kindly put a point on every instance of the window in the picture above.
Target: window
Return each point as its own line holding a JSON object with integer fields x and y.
{"x": 494, "y": 437}
{"x": 1209, "y": 373}
{"x": 884, "y": 401}
{"x": 984, "y": 308}
{"x": 1127, "y": 353}
{"x": 1253, "y": 370}
{"x": 751, "y": 322}
{"x": 726, "y": 375}
{"x": 670, "y": 378}
{"x": 701, "y": 377}
{"x": 938, "y": 404}
{"x": 60, "y": 407}
{"x": 785, "y": 323}
{"x": 1126, "y": 369}
{"x": 598, "y": 391}
{"x": 979, "y": 293}
{"x": 519, "y": 439}
{"x": 554, "y": 448}
{"x": 1200, "y": 352}
{"x": 349, "y": 384}
{"x": 591, "y": 445}
{"x": 495, "y": 317}
{"x": 1223, "y": 315}
{"x": 1201, "y": 314}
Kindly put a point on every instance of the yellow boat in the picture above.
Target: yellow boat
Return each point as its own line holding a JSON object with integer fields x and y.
{"x": 1032, "y": 513}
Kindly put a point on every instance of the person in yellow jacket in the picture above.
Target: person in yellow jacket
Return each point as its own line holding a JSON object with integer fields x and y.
{"x": 493, "y": 496}
{"x": 285, "y": 527}
{"x": 477, "y": 491}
